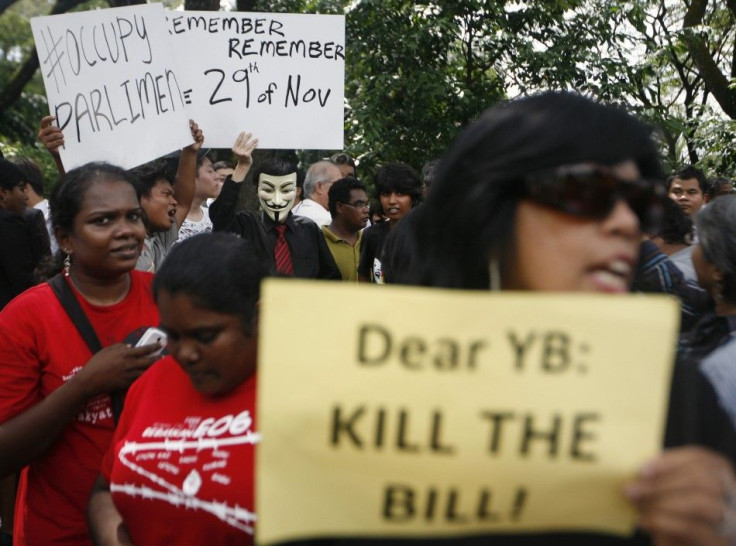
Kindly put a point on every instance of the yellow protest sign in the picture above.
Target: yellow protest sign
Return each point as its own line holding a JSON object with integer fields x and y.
{"x": 422, "y": 412}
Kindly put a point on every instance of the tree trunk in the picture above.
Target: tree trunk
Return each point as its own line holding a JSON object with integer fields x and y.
{"x": 715, "y": 80}
{"x": 5, "y": 4}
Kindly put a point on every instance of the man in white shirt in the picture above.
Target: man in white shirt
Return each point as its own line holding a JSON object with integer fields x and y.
{"x": 315, "y": 206}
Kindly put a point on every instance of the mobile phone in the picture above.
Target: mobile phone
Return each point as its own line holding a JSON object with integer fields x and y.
{"x": 153, "y": 335}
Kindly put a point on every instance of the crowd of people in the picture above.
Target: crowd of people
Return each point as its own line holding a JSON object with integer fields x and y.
{"x": 108, "y": 437}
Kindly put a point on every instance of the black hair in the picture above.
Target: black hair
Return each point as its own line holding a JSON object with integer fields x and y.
{"x": 676, "y": 227}
{"x": 66, "y": 198}
{"x": 274, "y": 167}
{"x": 32, "y": 174}
{"x": 342, "y": 159}
{"x": 375, "y": 208}
{"x": 146, "y": 176}
{"x": 218, "y": 271}
{"x": 687, "y": 172}
{"x": 717, "y": 238}
{"x": 223, "y": 165}
{"x": 399, "y": 177}
{"x": 339, "y": 192}
{"x": 428, "y": 171}
{"x": 716, "y": 183}
{"x": 469, "y": 216}
{"x": 10, "y": 174}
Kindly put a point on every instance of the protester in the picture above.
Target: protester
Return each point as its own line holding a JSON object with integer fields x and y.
{"x": 688, "y": 187}
{"x": 665, "y": 266}
{"x": 345, "y": 163}
{"x": 291, "y": 245}
{"x": 35, "y": 190}
{"x": 315, "y": 206}
{"x": 714, "y": 258}
{"x": 207, "y": 186}
{"x": 223, "y": 170}
{"x": 349, "y": 207}
{"x": 56, "y": 418}
{"x": 428, "y": 170}
{"x": 398, "y": 189}
{"x": 166, "y": 201}
{"x": 551, "y": 193}
{"x": 719, "y": 186}
{"x": 200, "y": 400}
{"x": 16, "y": 255}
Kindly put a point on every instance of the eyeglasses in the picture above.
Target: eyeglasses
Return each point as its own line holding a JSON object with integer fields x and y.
{"x": 359, "y": 204}
{"x": 592, "y": 192}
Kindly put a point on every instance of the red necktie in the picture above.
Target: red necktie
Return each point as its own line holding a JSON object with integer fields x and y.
{"x": 282, "y": 253}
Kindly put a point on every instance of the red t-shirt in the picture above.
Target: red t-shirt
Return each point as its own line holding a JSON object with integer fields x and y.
{"x": 40, "y": 349}
{"x": 180, "y": 466}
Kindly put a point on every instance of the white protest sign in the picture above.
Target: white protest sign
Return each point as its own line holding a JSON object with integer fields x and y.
{"x": 279, "y": 76}
{"x": 112, "y": 83}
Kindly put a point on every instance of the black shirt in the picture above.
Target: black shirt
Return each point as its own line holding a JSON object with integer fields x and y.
{"x": 371, "y": 249}
{"x": 310, "y": 255}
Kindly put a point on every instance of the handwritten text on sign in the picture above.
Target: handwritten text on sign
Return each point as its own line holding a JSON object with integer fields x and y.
{"x": 279, "y": 76}
{"x": 438, "y": 413}
{"x": 112, "y": 84}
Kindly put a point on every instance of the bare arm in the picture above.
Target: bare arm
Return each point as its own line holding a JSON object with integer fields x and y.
{"x": 26, "y": 436}
{"x": 243, "y": 150}
{"x": 53, "y": 139}
{"x": 186, "y": 174}
{"x": 106, "y": 526}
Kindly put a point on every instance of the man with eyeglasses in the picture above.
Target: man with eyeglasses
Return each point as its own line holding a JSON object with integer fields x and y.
{"x": 320, "y": 177}
{"x": 349, "y": 208}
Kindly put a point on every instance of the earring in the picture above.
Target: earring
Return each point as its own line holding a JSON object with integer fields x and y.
{"x": 67, "y": 263}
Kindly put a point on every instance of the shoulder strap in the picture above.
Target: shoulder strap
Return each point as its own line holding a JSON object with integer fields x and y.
{"x": 71, "y": 305}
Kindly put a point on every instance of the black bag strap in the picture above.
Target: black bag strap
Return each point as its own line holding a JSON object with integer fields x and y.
{"x": 70, "y": 303}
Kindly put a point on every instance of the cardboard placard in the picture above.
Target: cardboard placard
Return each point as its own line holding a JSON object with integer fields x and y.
{"x": 279, "y": 76}
{"x": 113, "y": 85}
{"x": 422, "y": 412}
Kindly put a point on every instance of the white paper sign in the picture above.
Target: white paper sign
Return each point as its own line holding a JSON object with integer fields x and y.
{"x": 279, "y": 76}
{"x": 112, "y": 83}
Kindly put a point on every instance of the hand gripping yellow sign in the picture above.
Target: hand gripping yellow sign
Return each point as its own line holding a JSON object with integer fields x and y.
{"x": 422, "y": 412}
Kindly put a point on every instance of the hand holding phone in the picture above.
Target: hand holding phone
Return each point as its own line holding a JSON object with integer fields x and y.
{"x": 153, "y": 335}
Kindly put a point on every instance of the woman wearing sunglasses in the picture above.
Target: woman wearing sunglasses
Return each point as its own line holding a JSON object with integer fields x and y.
{"x": 552, "y": 193}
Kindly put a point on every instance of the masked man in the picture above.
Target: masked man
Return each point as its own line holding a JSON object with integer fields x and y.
{"x": 293, "y": 245}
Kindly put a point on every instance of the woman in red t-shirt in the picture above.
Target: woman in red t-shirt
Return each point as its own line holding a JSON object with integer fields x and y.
{"x": 184, "y": 447}
{"x": 56, "y": 419}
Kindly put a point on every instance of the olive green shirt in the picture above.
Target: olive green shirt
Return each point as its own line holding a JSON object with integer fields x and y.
{"x": 346, "y": 256}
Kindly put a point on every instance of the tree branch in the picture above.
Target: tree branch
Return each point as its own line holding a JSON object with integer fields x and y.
{"x": 19, "y": 80}
{"x": 714, "y": 79}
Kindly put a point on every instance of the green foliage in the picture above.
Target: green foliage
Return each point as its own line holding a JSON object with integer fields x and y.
{"x": 417, "y": 72}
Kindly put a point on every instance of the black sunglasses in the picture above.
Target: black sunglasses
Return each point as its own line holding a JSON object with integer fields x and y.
{"x": 592, "y": 192}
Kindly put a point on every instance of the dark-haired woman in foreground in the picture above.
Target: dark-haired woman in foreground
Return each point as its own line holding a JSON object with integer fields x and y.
{"x": 551, "y": 193}
{"x": 55, "y": 413}
{"x": 184, "y": 447}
